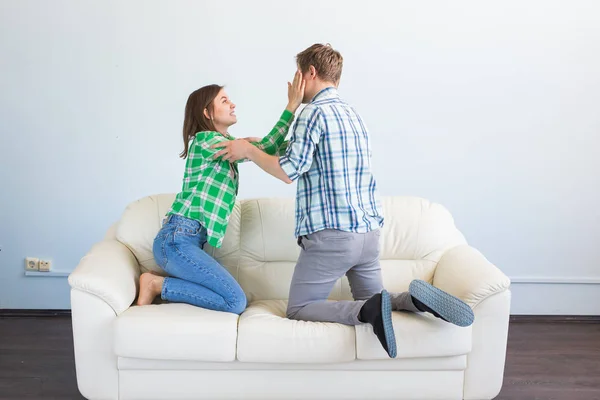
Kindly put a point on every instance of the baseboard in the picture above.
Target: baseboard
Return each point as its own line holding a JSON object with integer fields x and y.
{"x": 553, "y": 296}
{"x": 15, "y": 313}
{"x": 581, "y": 319}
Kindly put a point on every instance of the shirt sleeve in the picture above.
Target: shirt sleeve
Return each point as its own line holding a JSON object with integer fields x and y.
{"x": 204, "y": 145}
{"x": 301, "y": 147}
{"x": 272, "y": 143}
{"x": 283, "y": 148}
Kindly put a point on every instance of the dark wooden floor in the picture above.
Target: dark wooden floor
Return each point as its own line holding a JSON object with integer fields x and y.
{"x": 546, "y": 360}
{"x": 552, "y": 361}
{"x": 36, "y": 359}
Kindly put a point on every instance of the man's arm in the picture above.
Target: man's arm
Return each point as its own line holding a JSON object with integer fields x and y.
{"x": 242, "y": 150}
{"x": 299, "y": 154}
{"x": 273, "y": 143}
{"x": 268, "y": 163}
{"x": 298, "y": 157}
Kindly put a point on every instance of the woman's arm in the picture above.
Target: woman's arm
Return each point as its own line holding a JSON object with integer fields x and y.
{"x": 271, "y": 143}
{"x": 274, "y": 143}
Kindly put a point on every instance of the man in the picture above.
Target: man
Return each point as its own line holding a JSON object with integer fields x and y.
{"x": 338, "y": 214}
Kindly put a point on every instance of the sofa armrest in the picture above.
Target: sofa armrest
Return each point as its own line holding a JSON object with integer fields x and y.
{"x": 109, "y": 271}
{"x": 465, "y": 273}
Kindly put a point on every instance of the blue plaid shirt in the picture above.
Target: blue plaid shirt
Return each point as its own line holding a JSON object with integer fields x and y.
{"x": 330, "y": 153}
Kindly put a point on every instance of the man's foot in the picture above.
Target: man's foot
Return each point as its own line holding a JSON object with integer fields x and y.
{"x": 428, "y": 298}
{"x": 150, "y": 287}
{"x": 378, "y": 312}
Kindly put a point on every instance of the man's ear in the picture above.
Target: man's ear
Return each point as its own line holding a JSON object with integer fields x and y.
{"x": 312, "y": 72}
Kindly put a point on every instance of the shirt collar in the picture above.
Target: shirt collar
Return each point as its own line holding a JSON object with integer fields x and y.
{"x": 327, "y": 93}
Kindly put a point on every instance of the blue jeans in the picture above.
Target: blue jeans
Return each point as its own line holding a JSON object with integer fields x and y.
{"x": 194, "y": 276}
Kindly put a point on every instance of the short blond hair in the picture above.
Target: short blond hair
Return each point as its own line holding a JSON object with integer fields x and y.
{"x": 327, "y": 62}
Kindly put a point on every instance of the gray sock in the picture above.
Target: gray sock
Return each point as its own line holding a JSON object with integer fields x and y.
{"x": 403, "y": 302}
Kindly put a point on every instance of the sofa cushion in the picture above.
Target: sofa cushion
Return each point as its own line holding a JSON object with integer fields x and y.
{"x": 260, "y": 250}
{"x": 416, "y": 229}
{"x": 265, "y": 335}
{"x": 417, "y": 335}
{"x": 415, "y": 235}
{"x": 176, "y": 332}
{"x": 142, "y": 220}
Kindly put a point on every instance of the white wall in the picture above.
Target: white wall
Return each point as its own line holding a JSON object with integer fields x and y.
{"x": 492, "y": 109}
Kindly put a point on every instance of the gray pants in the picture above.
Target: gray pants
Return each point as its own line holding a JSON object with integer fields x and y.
{"x": 325, "y": 257}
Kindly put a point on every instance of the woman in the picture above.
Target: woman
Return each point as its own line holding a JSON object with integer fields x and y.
{"x": 201, "y": 211}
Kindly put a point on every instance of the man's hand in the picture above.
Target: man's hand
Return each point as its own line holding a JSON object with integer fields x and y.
{"x": 233, "y": 150}
{"x": 252, "y": 139}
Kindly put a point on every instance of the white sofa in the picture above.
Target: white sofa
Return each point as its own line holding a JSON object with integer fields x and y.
{"x": 177, "y": 351}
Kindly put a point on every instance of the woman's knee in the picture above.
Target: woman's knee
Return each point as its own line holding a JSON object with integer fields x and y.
{"x": 238, "y": 305}
{"x": 238, "y": 301}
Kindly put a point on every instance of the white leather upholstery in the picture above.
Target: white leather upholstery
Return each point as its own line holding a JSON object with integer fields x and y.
{"x": 416, "y": 229}
{"x": 260, "y": 249}
{"x": 455, "y": 363}
{"x": 111, "y": 233}
{"x": 479, "y": 279}
{"x": 276, "y": 384}
{"x": 483, "y": 378}
{"x": 266, "y": 336}
{"x": 176, "y": 332}
{"x": 267, "y": 255}
{"x": 110, "y": 272}
{"x": 142, "y": 220}
{"x": 417, "y": 335}
{"x": 139, "y": 225}
{"x": 177, "y": 351}
{"x": 95, "y": 361}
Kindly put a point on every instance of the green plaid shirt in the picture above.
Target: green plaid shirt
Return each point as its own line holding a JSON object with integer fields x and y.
{"x": 210, "y": 186}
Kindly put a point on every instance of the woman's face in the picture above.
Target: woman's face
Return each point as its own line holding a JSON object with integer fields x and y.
{"x": 223, "y": 111}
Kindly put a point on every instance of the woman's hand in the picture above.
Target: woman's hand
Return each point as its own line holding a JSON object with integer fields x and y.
{"x": 295, "y": 92}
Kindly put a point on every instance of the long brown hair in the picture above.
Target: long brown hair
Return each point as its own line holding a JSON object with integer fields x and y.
{"x": 195, "y": 121}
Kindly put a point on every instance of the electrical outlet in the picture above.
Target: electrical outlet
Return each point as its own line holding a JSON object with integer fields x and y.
{"x": 32, "y": 264}
{"x": 45, "y": 265}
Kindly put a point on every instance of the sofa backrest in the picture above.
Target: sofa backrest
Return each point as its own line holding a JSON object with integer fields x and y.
{"x": 260, "y": 249}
